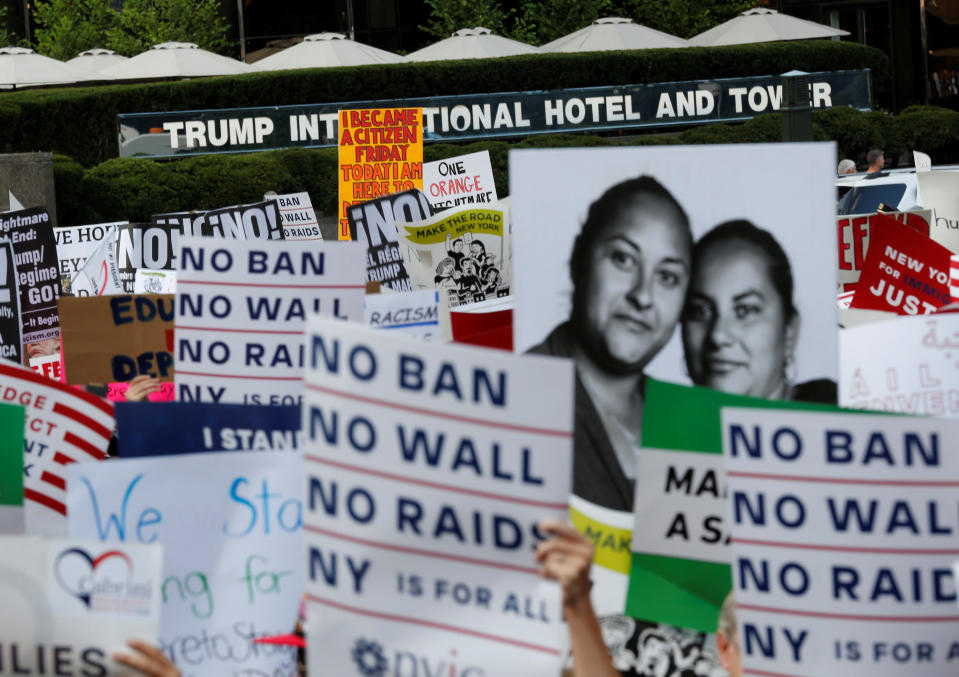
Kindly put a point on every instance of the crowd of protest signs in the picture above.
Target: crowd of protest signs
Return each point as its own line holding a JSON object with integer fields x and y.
{"x": 219, "y": 429}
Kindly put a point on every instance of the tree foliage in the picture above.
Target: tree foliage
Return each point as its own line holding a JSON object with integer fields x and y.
{"x": 64, "y": 28}
{"x": 448, "y": 16}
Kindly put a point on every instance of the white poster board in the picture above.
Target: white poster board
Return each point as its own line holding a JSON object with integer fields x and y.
{"x": 232, "y": 537}
{"x": 427, "y": 467}
{"x": 461, "y": 180}
{"x": 241, "y": 308}
{"x": 418, "y": 314}
{"x": 298, "y": 216}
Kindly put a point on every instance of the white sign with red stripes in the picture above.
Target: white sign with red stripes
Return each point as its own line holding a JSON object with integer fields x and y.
{"x": 427, "y": 469}
{"x": 64, "y": 425}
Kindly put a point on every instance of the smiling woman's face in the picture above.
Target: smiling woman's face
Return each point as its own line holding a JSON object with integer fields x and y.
{"x": 636, "y": 276}
{"x": 735, "y": 331}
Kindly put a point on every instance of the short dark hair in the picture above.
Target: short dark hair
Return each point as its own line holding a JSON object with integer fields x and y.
{"x": 608, "y": 206}
{"x": 778, "y": 266}
{"x": 873, "y": 156}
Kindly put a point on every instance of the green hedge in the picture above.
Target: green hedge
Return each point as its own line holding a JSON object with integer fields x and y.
{"x": 81, "y": 122}
{"x": 135, "y": 189}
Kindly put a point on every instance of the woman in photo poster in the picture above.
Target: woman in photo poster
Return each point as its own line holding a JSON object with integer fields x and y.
{"x": 630, "y": 268}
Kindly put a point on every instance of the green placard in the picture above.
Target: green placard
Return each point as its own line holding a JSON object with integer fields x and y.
{"x": 12, "y": 419}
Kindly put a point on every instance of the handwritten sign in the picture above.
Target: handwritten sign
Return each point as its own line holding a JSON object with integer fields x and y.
{"x": 904, "y": 272}
{"x": 11, "y": 343}
{"x": 428, "y": 467}
{"x": 68, "y": 605}
{"x": 298, "y": 217}
{"x": 417, "y": 314}
{"x": 843, "y": 528}
{"x": 76, "y": 243}
{"x": 12, "y": 418}
{"x": 461, "y": 180}
{"x": 99, "y": 274}
{"x": 854, "y": 239}
{"x": 232, "y": 549}
{"x": 63, "y": 426}
{"x": 939, "y": 191}
{"x": 380, "y": 153}
{"x": 187, "y": 427}
{"x": 117, "y": 338}
{"x": 241, "y": 309}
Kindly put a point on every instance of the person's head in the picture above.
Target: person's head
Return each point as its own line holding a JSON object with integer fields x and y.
{"x": 727, "y": 638}
{"x": 458, "y": 245}
{"x": 876, "y": 159}
{"x": 445, "y": 266}
{"x": 492, "y": 275}
{"x": 630, "y": 267}
{"x": 740, "y": 325}
{"x": 478, "y": 249}
{"x": 847, "y": 166}
{"x": 467, "y": 267}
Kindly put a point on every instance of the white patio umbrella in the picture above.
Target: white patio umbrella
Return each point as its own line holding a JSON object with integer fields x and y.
{"x": 23, "y": 67}
{"x": 96, "y": 59}
{"x": 471, "y": 43}
{"x": 175, "y": 60}
{"x": 323, "y": 50}
{"x": 763, "y": 25}
{"x": 612, "y": 33}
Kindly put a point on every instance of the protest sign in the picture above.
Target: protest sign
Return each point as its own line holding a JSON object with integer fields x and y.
{"x": 258, "y": 221}
{"x": 417, "y": 314}
{"x": 488, "y": 324}
{"x": 12, "y": 420}
{"x": 908, "y": 365}
{"x": 843, "y": 529}
{"x": 154, "y": 282}
{"x": 375, "y": 224}
{"x": 298, "y": 217}
{"x": 68, "y": 605}
{"x": 76, "y": 243}
{"x": 187, "y": 427}
{"x": 116, "y": 338}
{"x": 854, "y": 239}
{"x": 35, "y": 256}
{"x": 153, "y": 246}
{"x": 241, "y": 307}
{"x": 427, "y": 469}
{"x": 464, "y": 253}
{"x": 116, "y": 392}
{"x": 11, "y": 343}
{"x": 460, "y": 180}
{"x": 904, "y": 272}
{"x": 232, "y": 549}
{"x": 48, "y": 365}
{"x": 380, "y": 153}
{"x": 99, "y": 274}
{"x": 939, "y": 191}
{"x": 63, "y": 426}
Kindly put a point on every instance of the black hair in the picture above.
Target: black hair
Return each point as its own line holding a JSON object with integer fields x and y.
{"x": 608, "y": 206}
{"x": 780, "y": 271}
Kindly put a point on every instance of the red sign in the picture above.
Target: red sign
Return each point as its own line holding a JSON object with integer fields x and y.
{"x": 854, "y": 239}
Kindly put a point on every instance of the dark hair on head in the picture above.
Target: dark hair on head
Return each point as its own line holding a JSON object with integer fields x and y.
{"x": 741, "y": 230}
{"x": 605, "y": 209}
{"x": 872, "y": 157}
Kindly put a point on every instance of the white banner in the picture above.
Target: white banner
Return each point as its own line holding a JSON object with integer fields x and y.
{"x": 76, "y": 243}
{"x": 68, "y": 604}
{"x": 844, "y": 532}
{"x": 241, "y": 308}
{"x": 428, "y": 467}
{"x": 231, "y": 527}
{"x": 99, "y": 275}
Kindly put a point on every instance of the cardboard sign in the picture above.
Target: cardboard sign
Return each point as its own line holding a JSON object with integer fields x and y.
{"x": 241, "y": 309}
{"x": 465, "y": 254}
{"x": 854, "y": 239}
{"x": 76, "y": 243}
{"x": 187, "y": 427}
{"x": 232, "y": 548}
{"x": 461, "y": 180}
{"x": 11, "y": 343}
{"x": 374, "y": 224}
{"x": 939, "y": 191}
{"x": 380, "y": 153}
{"x": 904, "y": 272}
{"x": 117, "y": 338}
{"x": 259, "y": 221}
{"x": 146, "y": 245}
{"x": 427, "y": 468}
{"x": 68, "y": 605}
{"x": 419, "y": 314}
{"x": 298, "y": 218}
{"x": 154, "y": 282}
{"x": 842, "y": 537}
{"x": 38, "y": 273}
{"x": 64, "y": 426}
{"x": 908, "y": 365}
{"x": 12, "y": 419}
{"x": 99, "y": 274}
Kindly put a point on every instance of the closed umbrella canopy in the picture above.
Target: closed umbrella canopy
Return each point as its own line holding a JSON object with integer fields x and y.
{"x": 763, "y": 25}
{"x": 613, "y": 33}
{"x": 22, "y": 67}
{"x": 96, "y": 60}
{"x": 472, "y": 43}
{"x": 175, "y": 60}
{"x": 326, "y": 49}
